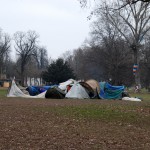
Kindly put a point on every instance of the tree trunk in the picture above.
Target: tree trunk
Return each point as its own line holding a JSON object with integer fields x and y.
{"x": 22, "y": 74}
{"x": 136, "y": 61}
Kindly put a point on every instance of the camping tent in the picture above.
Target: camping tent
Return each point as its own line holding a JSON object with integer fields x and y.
{"x": 63, "y": 86}
{"x": 94, "y": 85}
{"x": 77, "y": 91}
{"x": 108, "y": 91}
{"x": 35, "y": 90}
{"x": 16, "y": 92}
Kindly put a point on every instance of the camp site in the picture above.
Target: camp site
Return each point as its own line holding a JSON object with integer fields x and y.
{"x": 75, "y": 75}
{"x": 79, "y": 119}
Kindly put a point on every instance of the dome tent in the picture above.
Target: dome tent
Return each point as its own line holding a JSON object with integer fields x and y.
{"x": 77, "y": 91}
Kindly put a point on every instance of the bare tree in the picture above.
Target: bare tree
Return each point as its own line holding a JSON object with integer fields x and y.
{"x": 4, "y": 51}
{"x": 135, "y": 1}
{"x": 146, "y": 63}
{"x": 114, "y": 52}
{"x": 25, "y": 45}
{"x": 41, "y": 57}
{"x": 84, "y": 3}
{"x": 32, "y": 68}
{"x": 10, "y": 68}
{"x": 133, "y": 24}
{"x": 79, "y": 64}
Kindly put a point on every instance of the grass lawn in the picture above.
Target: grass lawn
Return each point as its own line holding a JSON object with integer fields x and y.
{"x": 74, "y": 124}
{"x": 144, "y": 95}
{"x": 3, "y": 92}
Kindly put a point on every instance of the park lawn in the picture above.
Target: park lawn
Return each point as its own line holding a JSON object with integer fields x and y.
{"x": 143, "y": 96}
{"x": 3, "y": 92}
{"x": 74, "y": 124}
{"x": 123, "y": 113}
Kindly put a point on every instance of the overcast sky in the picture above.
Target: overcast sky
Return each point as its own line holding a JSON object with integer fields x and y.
{"x": 61, "y": 24}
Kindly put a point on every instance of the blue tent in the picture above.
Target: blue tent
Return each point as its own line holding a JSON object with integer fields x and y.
{"x": 108, "y": 91}
{"x": 35, "y": 90}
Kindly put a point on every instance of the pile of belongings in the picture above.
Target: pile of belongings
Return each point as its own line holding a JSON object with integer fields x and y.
{"x": 111, "y": 92}
{"x": 71, "y": 89}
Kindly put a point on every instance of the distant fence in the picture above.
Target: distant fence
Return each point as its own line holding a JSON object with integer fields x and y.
{"x": 34, "y": 81}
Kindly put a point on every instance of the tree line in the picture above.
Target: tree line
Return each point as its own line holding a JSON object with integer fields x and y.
{"x": 127, "y": 22}
{"x": 31, "y": 58}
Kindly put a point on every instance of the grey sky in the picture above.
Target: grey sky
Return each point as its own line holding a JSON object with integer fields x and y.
{"x": 61, "y": 24}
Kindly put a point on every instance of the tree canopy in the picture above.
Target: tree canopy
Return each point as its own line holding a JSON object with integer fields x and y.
{"x": 25, "y": 45}
{"x": 58, "y": 71}
{"x": 84, "y": 3}
{"x": 5, "y": 44}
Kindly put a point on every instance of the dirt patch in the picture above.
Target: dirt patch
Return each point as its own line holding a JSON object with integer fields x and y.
{"x": 24, "y": 125}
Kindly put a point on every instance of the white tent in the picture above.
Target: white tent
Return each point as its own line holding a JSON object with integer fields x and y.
{"x": 16, "y": 92}
{"x": 63, "y": 85}
{"x": 77, "y": 91}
